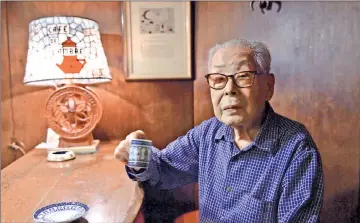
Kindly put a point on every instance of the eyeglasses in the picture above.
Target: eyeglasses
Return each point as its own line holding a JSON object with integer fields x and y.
{"x": 242, "y": 79}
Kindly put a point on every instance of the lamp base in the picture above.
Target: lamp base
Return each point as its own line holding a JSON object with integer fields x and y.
{"x": 83, "y": 141}
{"x": 76, "y": 149}
{"x": 80, "y": 145}
{"x": 72, "y": 112}
{"x": 82, "y": 149}
{"x": 53, "y": 144}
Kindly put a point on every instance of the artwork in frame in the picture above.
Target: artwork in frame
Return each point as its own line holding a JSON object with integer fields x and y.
{"x": 157, "y": 40}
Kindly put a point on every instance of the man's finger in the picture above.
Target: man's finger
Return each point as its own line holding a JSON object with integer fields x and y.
{"x": 124, "y": 144}
{"x": 138, "y": 134}
{"x": 121, "y": 154}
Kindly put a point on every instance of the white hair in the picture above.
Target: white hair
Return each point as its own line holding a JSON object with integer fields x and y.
{"x": 258, "y": 50}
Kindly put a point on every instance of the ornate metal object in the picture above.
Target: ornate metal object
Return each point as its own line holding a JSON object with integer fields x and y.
{"x": 73, "y": 111}
{"x": 266, "y": 5}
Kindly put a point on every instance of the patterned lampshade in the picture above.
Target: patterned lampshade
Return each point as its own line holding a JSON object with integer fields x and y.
{"x": 63, "y": 50}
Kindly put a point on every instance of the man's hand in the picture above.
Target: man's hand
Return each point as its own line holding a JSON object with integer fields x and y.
{"x": 122, "y": 150}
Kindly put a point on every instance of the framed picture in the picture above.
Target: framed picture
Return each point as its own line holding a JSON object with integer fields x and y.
{"x": 157, "y": 40}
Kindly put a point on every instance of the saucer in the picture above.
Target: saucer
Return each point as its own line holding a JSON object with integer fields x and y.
{"x": 59, "y": 156}
{"x": 61, "y": 212}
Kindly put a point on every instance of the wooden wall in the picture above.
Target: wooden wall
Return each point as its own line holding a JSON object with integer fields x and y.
{"x": 157, "y": 107}
{"x": 316, "y": 56}
{"x": 7, "y": 155}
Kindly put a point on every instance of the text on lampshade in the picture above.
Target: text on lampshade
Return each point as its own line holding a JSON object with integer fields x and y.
{"x": 58, "y": 29}
{"x": 71, "y": 51}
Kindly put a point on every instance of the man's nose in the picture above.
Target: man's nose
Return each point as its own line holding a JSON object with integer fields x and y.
{"x": 230, "y": 87}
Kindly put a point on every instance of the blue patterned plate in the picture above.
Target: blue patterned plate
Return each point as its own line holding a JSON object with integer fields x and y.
{"x": 61, "y": 212}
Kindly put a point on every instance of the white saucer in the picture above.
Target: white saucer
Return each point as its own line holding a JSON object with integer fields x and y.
{"x": 60, "y": 212}
{"x": 59, "y": 156}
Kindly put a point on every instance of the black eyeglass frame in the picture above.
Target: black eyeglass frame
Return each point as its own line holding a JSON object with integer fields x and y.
{"x": 254, "y": 74}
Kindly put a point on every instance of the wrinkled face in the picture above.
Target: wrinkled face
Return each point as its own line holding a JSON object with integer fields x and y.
{"x": 239, "y": 107}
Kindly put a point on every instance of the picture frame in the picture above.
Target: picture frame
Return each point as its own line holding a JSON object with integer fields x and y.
{"x": 157, "y": 40}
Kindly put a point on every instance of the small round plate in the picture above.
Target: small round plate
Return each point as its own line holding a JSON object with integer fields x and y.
{"x": 61, "y": 212}
{"x": 59, "y": 156}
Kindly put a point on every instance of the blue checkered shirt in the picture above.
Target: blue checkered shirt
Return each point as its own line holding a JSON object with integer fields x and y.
{"x": 277, "y": 178}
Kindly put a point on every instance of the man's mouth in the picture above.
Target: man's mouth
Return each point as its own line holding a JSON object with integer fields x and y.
{"x": 228, "y": 107}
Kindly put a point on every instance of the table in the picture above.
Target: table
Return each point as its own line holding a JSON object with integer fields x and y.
{"x": 97, "y": 180}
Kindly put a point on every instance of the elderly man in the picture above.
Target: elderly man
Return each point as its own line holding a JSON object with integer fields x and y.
{"x": 252, "y": 164}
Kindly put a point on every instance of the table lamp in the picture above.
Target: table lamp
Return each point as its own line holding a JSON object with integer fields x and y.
{"x": 66, "y": 52}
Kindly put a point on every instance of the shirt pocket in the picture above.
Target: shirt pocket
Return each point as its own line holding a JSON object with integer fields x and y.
{"x": 251, "y": 209}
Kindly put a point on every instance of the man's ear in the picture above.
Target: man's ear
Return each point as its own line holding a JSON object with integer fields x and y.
{"x": 270, "y": 85}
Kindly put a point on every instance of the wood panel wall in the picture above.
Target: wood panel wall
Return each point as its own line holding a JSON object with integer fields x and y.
{"x": 163, "y": 109}
{"x": 316, "y": 64}
{"x": 7, "y": 155}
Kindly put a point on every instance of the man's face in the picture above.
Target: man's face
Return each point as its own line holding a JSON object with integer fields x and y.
{"x": 236, "y": 106}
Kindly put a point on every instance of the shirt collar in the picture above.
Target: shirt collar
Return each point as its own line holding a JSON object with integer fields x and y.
{"x": 224, "y": 132}
{"x": 269, "y": 132}
{"x": 267, "y": 137}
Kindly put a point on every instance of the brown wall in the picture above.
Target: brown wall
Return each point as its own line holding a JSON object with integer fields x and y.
{"x": 7, "y": 155}
{"x": 316, "y": 55}
{"x": 315, "y": 61}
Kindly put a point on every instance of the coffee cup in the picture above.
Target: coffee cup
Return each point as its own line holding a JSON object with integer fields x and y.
{"x": 140, "y": 153}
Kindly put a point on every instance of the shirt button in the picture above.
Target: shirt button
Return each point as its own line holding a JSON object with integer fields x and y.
{"x": 228, "y": 189}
